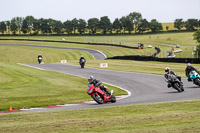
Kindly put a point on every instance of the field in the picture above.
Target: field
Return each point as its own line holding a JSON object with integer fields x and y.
{"x": 184, "y": 39}
{"x": 24, "y": 87}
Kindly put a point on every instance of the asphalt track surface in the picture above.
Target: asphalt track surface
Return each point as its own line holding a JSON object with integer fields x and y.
{"x": 96, "y": 54}
{"x": 144, "y": 88}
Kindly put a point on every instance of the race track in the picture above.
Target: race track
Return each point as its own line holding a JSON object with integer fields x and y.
{"x": 144, "y": 88}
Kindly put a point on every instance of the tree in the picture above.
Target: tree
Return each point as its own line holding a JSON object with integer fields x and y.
{"x": 29, "y": 21}
{"x": 197, "y": 38}
{"x": 74, "y": 25}
{"x": 25, "y": 27}
{"x": 179, "y": 24}
{"x": 2, "y": 27}
{"x": 127, "y": 24}
{"x": 36, "y": 25}
{"x": 199, "y": 23}
{"x": 8, "y": 26}
{"x": 19, "y": 23}
{"x": 117, "y": 25}
{"x": 13, "y": 25}
{"x": 191, "y": 24}
{"x": 81, "y": 26}
{"x": 155, "y": 26}
{"x": 135, "y": 17}
{"x": 57, "y": 27}
{"x": 45, "y": 27}
{"x": 143, "y": 25}
{"x": 93, "y": 25}
{"x": 68, "y": 26}
{"x": 105, "y": 24}
{"x": 51, "y": 23}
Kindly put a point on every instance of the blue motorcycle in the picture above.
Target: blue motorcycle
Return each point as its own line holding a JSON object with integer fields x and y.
{"x": 195, "y": 77}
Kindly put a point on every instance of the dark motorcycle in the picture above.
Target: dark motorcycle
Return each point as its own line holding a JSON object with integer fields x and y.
{"x": 39, "y": 60}
{"x": 82, "y": 63}
{"x": 175, "y": 82}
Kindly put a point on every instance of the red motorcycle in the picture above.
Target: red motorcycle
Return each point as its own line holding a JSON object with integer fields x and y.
{"x": 100, "y": 96}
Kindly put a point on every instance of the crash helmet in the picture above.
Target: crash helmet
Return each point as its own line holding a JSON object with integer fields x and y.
{"x": 166, "y": 69}
{"x": 188, "y": 65}
{"x": 91, "y": 78}
{"x": 81, "y": 56}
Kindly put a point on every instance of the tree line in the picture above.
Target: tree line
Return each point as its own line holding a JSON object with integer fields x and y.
{"x": 126, "y": 24}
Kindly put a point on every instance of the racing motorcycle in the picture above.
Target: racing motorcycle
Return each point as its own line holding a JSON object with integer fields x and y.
{"x": 39, "y": 60}
{"x": 100, "y": 96}
{"x": 82, "y": 63}
{"x": 175, "y": 83}
{"x": 195, "y": 77}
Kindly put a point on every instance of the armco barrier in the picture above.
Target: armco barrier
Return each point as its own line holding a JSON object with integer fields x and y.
{"x": 150, "y": 58}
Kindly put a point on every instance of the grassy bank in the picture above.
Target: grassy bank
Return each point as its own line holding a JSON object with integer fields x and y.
{"x": 176, "y": 117}
{"x": 151, "y": 67}
{"x": 184, "y": 39}
{"x": 24, "y": 87}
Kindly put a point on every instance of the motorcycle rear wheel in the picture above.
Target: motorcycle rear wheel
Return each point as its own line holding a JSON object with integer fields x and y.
{"x": 98, "y": 98}
{"x": 197, "y": 82}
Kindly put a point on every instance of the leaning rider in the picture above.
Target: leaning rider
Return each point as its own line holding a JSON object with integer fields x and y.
{"x": 188, "y": 69}
{"x": 96, "y": 83}
{"x": 167, "y": 72}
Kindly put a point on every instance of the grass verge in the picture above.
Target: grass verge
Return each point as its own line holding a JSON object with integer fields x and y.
{"x": 176, "y": 117}
{"x": 24, "y": 87}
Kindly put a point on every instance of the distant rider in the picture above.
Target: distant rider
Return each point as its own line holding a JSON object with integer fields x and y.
{"x": 39, "y": 58}
{"x": 167, "y": 72}
{"x": 96, "y": 83}
{"x": 188, "y": 69}
{"x": 81, "y": 59}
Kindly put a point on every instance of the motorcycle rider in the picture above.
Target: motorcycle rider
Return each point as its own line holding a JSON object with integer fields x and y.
{"x": 39, "y": 58}
{"x": 96, "y": 83}
{"x": 188, "y": 69}
{"x": 167, "y": 72}
{"x": 81, "y": 59}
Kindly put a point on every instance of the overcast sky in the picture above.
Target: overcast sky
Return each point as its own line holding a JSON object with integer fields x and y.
{"x": 162, "y": 10}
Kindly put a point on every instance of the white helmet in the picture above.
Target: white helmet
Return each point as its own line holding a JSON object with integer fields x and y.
{"x": 166, "y": 69}
{"x": 91, "y": 78}
{"x": 188, "y": 65}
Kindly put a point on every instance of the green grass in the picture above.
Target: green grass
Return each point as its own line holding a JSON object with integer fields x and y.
{"x": 108, "y": 50}
{"x": 184, "y": 39}
{"x": 21, "y": 54}
{"x": 176, "y": 117}
{"x": 24, "y": 87}
{"x": 151, "y": 67}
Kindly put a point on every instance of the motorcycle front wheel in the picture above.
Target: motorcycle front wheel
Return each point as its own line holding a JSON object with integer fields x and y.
{"x": 113, "y": 99}
{"x": 177, "y": 87}
{"x": 98, "y": 98}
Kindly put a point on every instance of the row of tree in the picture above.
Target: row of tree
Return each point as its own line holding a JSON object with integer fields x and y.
{"x": 190, "y": 24}
{"x": 132, "y": 22}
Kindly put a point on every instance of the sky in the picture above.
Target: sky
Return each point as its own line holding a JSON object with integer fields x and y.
{"x": 162, "y": 10}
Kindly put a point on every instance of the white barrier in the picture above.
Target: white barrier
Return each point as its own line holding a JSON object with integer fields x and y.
{"x": 63, "y": 61}
{"x": 103, "y": 65}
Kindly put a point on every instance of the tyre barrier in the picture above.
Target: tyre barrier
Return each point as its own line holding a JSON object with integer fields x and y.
{"x": 105, "y": 44}
{"x": 151, "y": 58}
